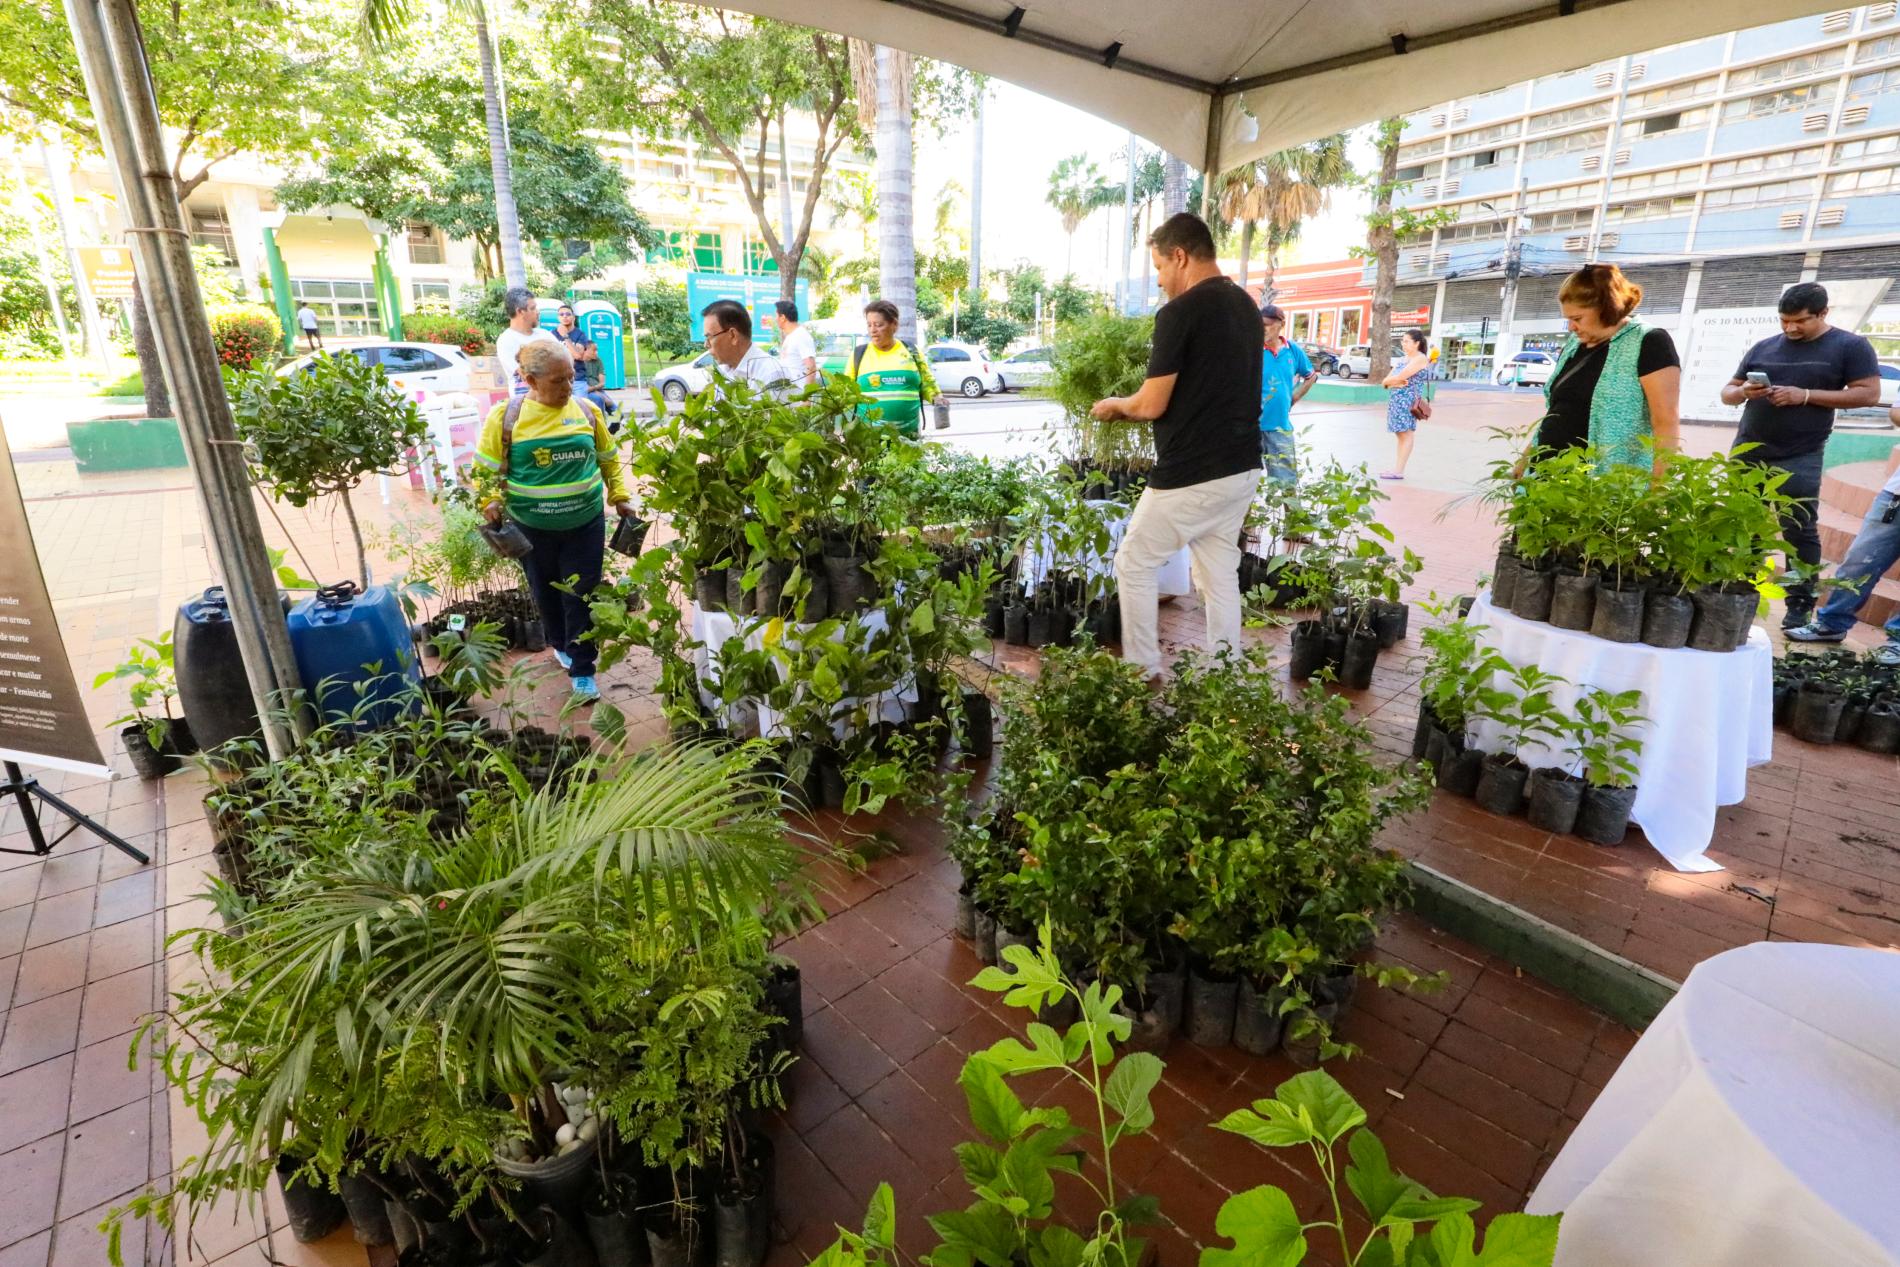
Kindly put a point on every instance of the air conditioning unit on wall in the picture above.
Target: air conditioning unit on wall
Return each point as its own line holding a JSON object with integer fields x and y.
{"x": 1792, "y": 219}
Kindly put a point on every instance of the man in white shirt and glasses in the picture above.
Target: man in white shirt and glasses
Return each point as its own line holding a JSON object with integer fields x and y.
{"x": 728, "y": 330}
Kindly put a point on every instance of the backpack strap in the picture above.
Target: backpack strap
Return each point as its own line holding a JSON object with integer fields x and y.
{"x": 917, "y": 364}
{"x": 510, "y": 414}
{"x": 857, "y": 358}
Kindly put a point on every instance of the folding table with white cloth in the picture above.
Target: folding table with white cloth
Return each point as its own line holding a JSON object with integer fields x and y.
{"x": 1173, "y": 578}
{"x": 712, "y": 629}
{"x": 1755, "y": 1124}
{"x": 1711, "y": 716}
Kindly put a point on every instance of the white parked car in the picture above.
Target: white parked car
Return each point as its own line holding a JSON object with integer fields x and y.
{"x": 1356, "y": 361}
{"x": 1889, "y": 384}
{"x": 680, "y": 381}
{"x": 434, "y": 367}
{"x": 1526, "y": 369}
{"x": 1032, "y": 367}
{"x": 963, "y": 367}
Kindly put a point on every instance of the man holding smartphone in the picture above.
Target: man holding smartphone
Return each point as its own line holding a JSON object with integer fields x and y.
{"x": 1789, "y": 387}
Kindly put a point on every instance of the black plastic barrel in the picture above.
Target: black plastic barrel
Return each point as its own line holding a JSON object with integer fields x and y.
{"x": 212, "y": 688}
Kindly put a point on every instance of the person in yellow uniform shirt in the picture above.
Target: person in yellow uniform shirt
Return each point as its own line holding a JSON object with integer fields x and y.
{"x": 561, "y": 470}
{"x": 891, "y": 373}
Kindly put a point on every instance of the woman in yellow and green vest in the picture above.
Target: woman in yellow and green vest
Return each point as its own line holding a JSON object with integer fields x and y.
{"x": 891, "y": 373}
{"x": 551, "y": 467}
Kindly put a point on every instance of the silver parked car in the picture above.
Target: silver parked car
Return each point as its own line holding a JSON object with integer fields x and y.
{"x": 963, "y": 367}
{"x": 1032, "y": 367}
{"x": 680, "y": 381}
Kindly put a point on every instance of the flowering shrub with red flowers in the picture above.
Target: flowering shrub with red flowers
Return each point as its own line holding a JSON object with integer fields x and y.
{"x": 433, "y": 327}
{"x": 246, "y": 334}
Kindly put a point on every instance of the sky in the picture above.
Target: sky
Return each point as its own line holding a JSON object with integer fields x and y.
{"x": 1025, "y": 135}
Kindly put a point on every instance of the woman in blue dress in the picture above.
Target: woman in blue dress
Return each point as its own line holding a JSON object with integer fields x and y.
{"x": 1407, "y": 384}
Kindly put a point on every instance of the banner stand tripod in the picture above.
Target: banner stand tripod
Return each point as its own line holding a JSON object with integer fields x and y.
{"x": 24, "y": 788}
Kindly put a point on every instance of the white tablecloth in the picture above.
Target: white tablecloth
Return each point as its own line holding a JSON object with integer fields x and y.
{"x": 1037, "y": 559}
{"x": 1756, "y": 1123}
{"x": 1711, "y": 716}
{"x": 713, "y": 628}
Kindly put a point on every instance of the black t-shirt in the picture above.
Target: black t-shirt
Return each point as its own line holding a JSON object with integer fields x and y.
{"x": 1826, "y": 364}
{"x": 1210, "y": 337}
{"x": 1567, "y": 420}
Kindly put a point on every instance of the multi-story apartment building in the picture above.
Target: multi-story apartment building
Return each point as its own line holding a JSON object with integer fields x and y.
{"x": 342, "y": 263}
{"x": 1715, "y": 173}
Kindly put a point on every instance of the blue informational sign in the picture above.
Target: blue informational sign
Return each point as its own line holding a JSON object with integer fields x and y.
{"x": 758, "y": 294}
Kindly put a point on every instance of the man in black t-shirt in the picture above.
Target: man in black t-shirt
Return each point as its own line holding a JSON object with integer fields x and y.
{"x": 1203, "y": 395}
{"x": 1802, "y": 375}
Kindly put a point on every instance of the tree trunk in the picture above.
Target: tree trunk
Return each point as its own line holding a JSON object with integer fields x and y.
{"x": 356, "y": 535}
{"x": 1174, "y": 186}
{"x": 158, "y": 397}
{"x": 1246, "y": 254}
{"x": 1384, "y": 245}
{"x": 897, "y": 251}
{"x": 501, "y": 168}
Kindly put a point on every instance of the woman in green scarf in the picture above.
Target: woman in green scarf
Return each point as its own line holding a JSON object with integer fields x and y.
{"x": 1616, "y": 383}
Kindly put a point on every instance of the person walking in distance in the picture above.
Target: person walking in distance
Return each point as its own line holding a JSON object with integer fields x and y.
{"x": 1406, "y": 406}
{"x": 307, "y": 322}
{"x": 797, "y": 351}
{"x": 889, "y": 371}
{"x": 1286, "y": 375}
{"x": 1202, "y": 393}
{"x": 1789, "y": 386}
{"x": 1875, "y": 550}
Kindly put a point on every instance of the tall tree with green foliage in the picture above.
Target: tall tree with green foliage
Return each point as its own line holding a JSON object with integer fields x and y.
{"x": 1076, "y": 191}
{"x": 1281, "y": 190}
{"x": 728, "y": 81}
{"x": 229, "y": 76}
{"x": 418, "y": 161}
{"x": 1386, "y": 225}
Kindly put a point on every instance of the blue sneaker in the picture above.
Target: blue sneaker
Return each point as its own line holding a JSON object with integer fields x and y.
{"x": 563, "y": 659}
{"x": 585, "y": 690}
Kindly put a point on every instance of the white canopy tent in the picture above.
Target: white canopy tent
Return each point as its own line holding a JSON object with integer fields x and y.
{"x": 1220, "y": 82}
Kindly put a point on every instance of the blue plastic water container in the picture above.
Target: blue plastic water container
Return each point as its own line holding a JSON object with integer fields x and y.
{"x": 353, "y": 648}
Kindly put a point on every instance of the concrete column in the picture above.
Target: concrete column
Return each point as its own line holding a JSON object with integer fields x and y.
{"x": 247, "y": 238}
{"x": 280, "y": 289}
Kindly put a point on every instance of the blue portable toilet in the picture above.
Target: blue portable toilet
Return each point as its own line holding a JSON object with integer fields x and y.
{"x": 353, "y": 647}
{"x": 601, "y": 322}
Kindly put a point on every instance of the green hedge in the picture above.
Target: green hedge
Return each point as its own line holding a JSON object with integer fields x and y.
{"x": 431, "y": 327}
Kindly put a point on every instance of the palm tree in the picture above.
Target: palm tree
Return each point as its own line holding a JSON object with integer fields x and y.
{"x": 1283, "y": 189}
{"x": 883, "y": 79}
{"x": 1076, "y": 189}
{"x": 384, "y": 21}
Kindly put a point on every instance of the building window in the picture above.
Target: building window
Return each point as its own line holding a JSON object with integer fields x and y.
{"x": 1784, "y": 161}
{"x": 1486, "y": 135}
{"x": 1555, "y": 119}
{"x": 430, "y": 294}
{"x": 424, "y": 246}
{"x": 1874, "y": 83}
{"x": 1478, "y": 160}
{"x": 342, "y": 307}
{"x": 1812, "y": 97}
{"x": 709, "y": 253}
{"x": 1651, "y": 209}
{"x": 1558, "y": 194}
{"x": 1477, "y": 231}
{"x": 1647, "y": 182}
{"x": 1878, "y": 50}
{"x": 1688, "y": 90}
{"x": 1869, "y": 147}
{"x": 210, "y": 228}
{"x": 1873, "y": 180}
{"x": 1558, "y": 221}
{"x": 758, "y": 259}
{"x": 1573, "y": 143}
{"x": 1787, "y": 68}
{"x": 1758, "y": 195}
{"x": 1348, "y": 326}
{"x": 1411, "y": 154}
{"x": 1660, "y": 124}
{"x": 1405, "y": 175}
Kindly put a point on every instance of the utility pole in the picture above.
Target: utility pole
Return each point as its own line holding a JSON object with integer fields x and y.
{"x": 23, "y": 206}
{"x": 1609, "y": 159}
{"x": 976, "y": 196}
{"x": 1513, "y": 268}
{"x": 118, "y": 82}
{"x": 1128, "y": 225}
{"x": 60, "y": 182}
